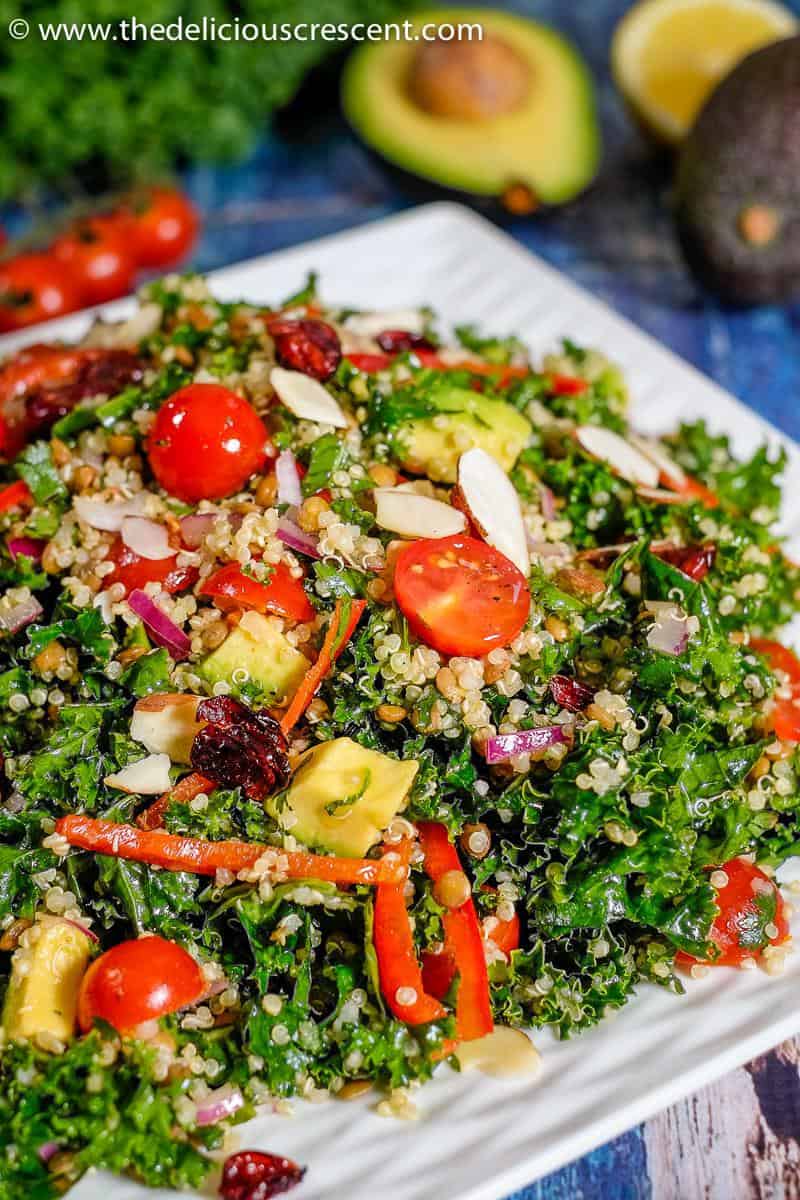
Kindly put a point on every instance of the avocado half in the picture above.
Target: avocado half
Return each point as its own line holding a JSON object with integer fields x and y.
{"x": 738, "y": 183}
{"x": 531, "y": 129}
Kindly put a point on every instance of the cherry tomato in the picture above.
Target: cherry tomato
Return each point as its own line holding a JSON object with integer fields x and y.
{"x": 231, "y": 588}
{"x": 785, "y": 714}
{"x": 138, "y": 981}
{"x": 164, "y": 224}
{"x": 98, "y": 256}
{"x": 206, "y": 442}
{"x": 35, "y": 287}
{"x": 133, "y": 571}
{"x": 460, "y": 595}
{"x": 752, "y": 915}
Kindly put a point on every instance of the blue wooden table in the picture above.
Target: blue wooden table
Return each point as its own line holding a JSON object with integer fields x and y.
{"x": 737, "y": 1140}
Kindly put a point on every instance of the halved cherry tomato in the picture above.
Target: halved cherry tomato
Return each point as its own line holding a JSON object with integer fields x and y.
{"x": 35, "y": 287}
{"x": 460, "y": 595}
{"x": 752, "y": 916}
{"x": 785, "y": 714}
{"x": 206, "y": 442}
{"x": 133, "y": 571}
{"x": 98, "y": 256}
{"x": 231, "y": 588}
{"x": 138, "y": 981}
{"x": 370, "y": 362}
{"x": 164, "y": 225}
{"x": 16, "y": 495}
{"x": 568, "y": 385}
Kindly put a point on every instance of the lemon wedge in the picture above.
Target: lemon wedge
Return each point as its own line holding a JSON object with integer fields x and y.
{"x": 667, "y": 56}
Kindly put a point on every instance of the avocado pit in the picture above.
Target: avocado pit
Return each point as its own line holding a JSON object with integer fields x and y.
{"x": 758, "y": 224}
{"x": 469, "y": 81}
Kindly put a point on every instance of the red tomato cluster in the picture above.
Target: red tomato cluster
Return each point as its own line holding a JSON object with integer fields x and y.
{"x": 96, "y": 258}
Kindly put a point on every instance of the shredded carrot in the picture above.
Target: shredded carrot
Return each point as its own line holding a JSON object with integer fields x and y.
{"x": 202, "y": 857}
{"x": 185, "y": 790}
{"x": 336, "y": 638}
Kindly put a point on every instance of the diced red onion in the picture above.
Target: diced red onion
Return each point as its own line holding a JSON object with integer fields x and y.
{"x": 289, "y": 490}
{"x": 504, "y": 746}
{"x": 30, "y": 547}
{"x": 90, "y": 933}
{"x": 547, "y": 502}
{"x": 195, "y": 527}
{"x": 669, "y": 632}
{"x": 148, "y": 539}
{"x": 47, "y": 1150}
{"x": 297, "y": 539}
{"x": 163, "y": 630}
{"x": 16, "y": 618}
{"x": 108, "y": 515}
{"x": 219, "y": 1105}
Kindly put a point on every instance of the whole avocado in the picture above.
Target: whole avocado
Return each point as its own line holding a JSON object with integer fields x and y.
{"x": 738, "y": 183}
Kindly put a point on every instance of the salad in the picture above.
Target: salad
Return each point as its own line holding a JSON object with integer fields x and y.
{"x": 365, "y": 700}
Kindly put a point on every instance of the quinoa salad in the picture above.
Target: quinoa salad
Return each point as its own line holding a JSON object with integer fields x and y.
{"x": 367, "y": 698}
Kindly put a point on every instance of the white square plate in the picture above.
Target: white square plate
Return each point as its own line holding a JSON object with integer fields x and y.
{"x": 479, "y": 1139}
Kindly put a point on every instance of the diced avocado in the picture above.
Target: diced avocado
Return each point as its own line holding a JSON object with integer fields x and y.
{"x": 509, "y": 114}
{"x": 258, "y": 648}
{"x": 432, "y": 445}
{"x": 343, "y": 796}
{"x": 46, "y": 972}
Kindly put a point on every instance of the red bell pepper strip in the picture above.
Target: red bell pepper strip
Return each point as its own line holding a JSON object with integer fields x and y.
{"x": 185, "y": 790}
{"x": 785, "y": 716}
{"x": 231, "y": 588}
{"x": 340, "y": 630}
{"x": 202, "y": 857}
{"x": 462, "y": 938}
{"x": 15, "y": 495}
{"x": 398, "y": 967}
{"x": 568, "y": 385}
{"x": 370, "y": 362}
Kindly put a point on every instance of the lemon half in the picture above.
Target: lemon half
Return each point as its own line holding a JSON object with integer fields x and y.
{"x": 667, "y": 56}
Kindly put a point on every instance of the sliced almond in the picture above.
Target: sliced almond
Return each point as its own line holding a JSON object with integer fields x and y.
{"x": 148, "y": 539}
{"x": 147, "y": 777}
{"x": 662, "y": 496}
{"x": 307, "y": 398}
{"x": 583, "y": 582}
{"x": 166, "y": 723}
{"x": 623, "y": 458}
{"x": 108, "y": 515}
{"x": 502, "y": 1053}
{"x": 491, "y": 501}
{"x": 671, "y": 472}
{"x": 415, "y": 516}
{"x": 369, "y": 324}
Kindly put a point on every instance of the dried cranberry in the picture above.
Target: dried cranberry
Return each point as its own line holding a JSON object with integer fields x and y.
{"x": 395, "y": 341}
{"x": 570, "y": 694}
{"x": 102, "y": 372}
{"x": 251, "y": 1175}
{"x": 240, "y": 748}
{"x": 306, "y": 345}
{"x": 694, "y": 561}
